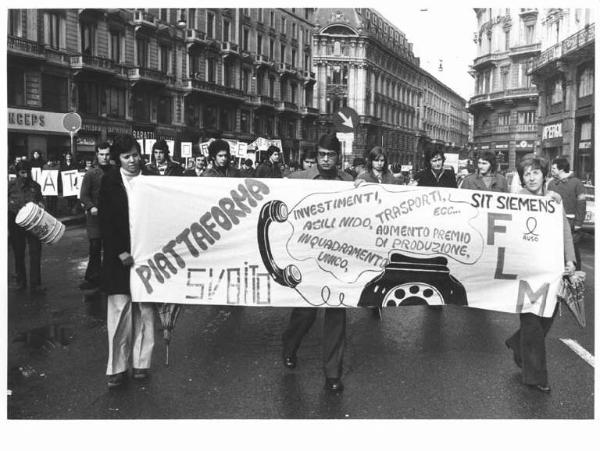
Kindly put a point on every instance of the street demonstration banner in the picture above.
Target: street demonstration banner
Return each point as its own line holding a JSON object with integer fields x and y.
{"x": 279, "y": 242}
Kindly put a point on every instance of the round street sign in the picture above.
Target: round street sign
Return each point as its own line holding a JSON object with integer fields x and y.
{"x": 71, "y": 122}
{"x": 345, "y": 120}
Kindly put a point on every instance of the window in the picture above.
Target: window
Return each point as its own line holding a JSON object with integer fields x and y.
{"x": 272, "y": 19}
{"x": 211, "y": 70}
{"x": 283, "y": 90}
{"x": 529, "y": 33}
{"x": 52, "y": 31}
{"x": 503, "y": 119}
{"x": 163, "y": 14}
{"x": 15, "y": 24}
{"x": 89, "y": 100}
{"x": 307, "y": 62}
{"x": 191, "y": 17}
{"x": 115, "y": 102}
{"x": 293, "y": 92}
{"x": 272, "y": 87}
{"x": 246, "y": 39}
{"x": 194, "y": 67}
{"x": 228, "y": 73}
{"x": 226, "y": 30}
{"x": 526, "y": 117}
{"x": 246, "y": 80}
{"x": 294, "y": 30}
{"x": 142, "y": 52}
{"x": 226, "y": 119}
{"x": 293, "y": 57}
{"x": 259, "y": 44}
{"x": 586, "y": 131}
{"x": 261, "y": 15}
{"x": 15, "y": 81}
{"x": 557, "y": 92}
{"x": 210, "y": 116}
{"x": 164, "y": 59}
{"x": 283, "y": 25}
{"x": 282, "y": 53}
{"x": 210, "y": 25}
{"x": 164, "y": 110}
{"x": 245, "y": 121}
{"x": 504, "y": 77}
{"x": 507, "y": 40}
{"x": 271, "y": 49}
{"x": 54, "y": 92}
{"x": 115, "y": 46}
{"x": 585, "y": 84}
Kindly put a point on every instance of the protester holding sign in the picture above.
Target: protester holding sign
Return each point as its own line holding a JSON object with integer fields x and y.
{"x": 486, "y": 178}
{"x": 334, "y": 326}
{"x": 434, "y": 173}
{"x": 130, "y": 325}
{"x": 528, "y": 343}
{"x": 220, "y": 156}
{"x": 377, "y": 169}
{"x": 163, "y": 165}
{"x": 21, "y": 191}
{"x": 68, "y": 165}
{"x": 89, "y": 196}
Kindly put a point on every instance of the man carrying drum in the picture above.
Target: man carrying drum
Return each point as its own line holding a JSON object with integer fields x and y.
{"x": 22, "y": 190}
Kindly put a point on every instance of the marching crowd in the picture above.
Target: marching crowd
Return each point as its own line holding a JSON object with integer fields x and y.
{"x": 108, "y": 183}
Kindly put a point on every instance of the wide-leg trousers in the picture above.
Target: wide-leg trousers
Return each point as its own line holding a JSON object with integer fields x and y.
{"x": 529, "y": 345}
{"x": 334, "y": 336}
{"x": 130, "y": 334}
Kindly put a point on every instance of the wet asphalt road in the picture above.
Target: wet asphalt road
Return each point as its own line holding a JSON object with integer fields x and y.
{"x": 225, "y": 361}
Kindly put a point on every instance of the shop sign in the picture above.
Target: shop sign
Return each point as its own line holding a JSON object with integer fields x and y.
{"x": 30, "y": 120}
{"x": 552, "y": 131}
{"x": 86, "y": 141}
{"x": 485, "y": 147}
{"x": 501, "y": 146}
{"x": 525, "y": 144}
{"x": 585, "y": 145}
{"x": 143, "y": 132}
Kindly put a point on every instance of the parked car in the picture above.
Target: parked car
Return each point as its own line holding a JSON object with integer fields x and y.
{"x": 590, "y": 204}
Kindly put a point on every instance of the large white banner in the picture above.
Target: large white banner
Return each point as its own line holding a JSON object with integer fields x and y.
{"x": 278, "y": 242}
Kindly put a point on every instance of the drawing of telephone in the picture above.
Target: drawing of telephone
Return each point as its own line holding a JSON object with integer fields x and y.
{"x": 413, "y": 281}
{"x": 275, "y": 210}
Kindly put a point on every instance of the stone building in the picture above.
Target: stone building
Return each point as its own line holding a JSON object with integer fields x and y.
{"x": 504, "y": 105}
{"x": 364, "y": 62}
{"x": 184, "y": 75}
{"x": 564, "y": 75}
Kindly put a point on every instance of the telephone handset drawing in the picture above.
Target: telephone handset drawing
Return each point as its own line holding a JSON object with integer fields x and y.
{"x": 275, "y": 210}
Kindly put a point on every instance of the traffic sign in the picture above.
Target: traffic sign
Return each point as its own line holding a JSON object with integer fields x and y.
{"x": 71, "y": 122}
{"x": 345, "y": 120}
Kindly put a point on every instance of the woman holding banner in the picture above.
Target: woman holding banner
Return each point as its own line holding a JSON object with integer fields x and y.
{"x": 377, "y": 169}
{"x": 528, "y": 343}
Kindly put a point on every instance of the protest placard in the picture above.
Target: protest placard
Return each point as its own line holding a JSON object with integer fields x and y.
{"x": 69, "y": 183}
{"x": 49, "y": 182}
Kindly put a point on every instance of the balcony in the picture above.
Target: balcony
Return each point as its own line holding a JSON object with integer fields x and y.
{"x": 309, "y": 111}
{"x": 202, "y": 86}
{"x": 96, "y": 64}
{"x": 525, "y": 49}
{"x": 505, "y": 95}
{"x": 488, "y": 59}
{"x": 229, "y": 48}
{"x": 286, "y": 69}
{"x": 547, "y": 56}
{"x": 287, "y": 107}
{"x": 579, "y": 40}
{"x": 143, "y": 20}
{"x": 262, "y": 60}
{"x": 524, "y": 128}
{"x": 26, "y": 47}
{"x": 262, "y": 101}
{"x": 143, "y": 74}
{"x": 247, "y": 56}
{"x": 194, "y": 37}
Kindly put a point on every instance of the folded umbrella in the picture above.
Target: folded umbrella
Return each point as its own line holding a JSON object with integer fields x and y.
{"x": 168, "y": 314}
{"x": 571, "y": 291}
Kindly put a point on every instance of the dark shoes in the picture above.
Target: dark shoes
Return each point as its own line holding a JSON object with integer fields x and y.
{"x": 334, "y": 384}
{"x": 289, "y": 362}
{"x": 140, "y": 374}
{"x": 516, "y": 358}
{"x": 116, "y": 380}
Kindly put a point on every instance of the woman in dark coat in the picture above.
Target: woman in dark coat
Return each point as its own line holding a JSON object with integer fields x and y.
{"x": 130, "y": 325}
{"x": 434, "y": 173}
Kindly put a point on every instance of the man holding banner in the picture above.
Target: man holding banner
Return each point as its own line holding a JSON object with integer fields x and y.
{"x": 220, "y": 156}
{"x": 302, "y": 319}
{"x": 163, "y": 165}
{"x": 130, "y": 325}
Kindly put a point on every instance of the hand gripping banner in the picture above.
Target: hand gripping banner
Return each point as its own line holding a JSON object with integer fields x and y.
{"x": 282, "y": 243}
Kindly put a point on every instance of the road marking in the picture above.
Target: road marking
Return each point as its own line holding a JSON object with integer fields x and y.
{"x": 579, "y": 350}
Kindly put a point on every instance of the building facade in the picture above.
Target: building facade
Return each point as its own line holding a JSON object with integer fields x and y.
{"x": 564, "y": 75}
{"x": 505, "y": 102}
{"x": 363, "y": 62}
{"x": 184, "y": 75}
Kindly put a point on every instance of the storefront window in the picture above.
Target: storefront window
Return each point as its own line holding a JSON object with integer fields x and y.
{"x": 54, "y": 92}
{"x": 585, "y": 84}
{"x": 164, "y": 110}
{"x": 115, "y": 102}
{"x": 210, "y": 116}
{"x": 141, "y": 107}
{"x": 226, "y": 119}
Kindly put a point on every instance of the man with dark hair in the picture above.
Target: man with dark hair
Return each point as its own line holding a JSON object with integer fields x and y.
{"x": 270, "y": 167}
{"x": 486, "y": 178}
{"x": 22, "y": 190}
{"x": 334, "y": 326}
{"x": 130, "y": 325}
{"x": 163, "y": 165}
{"x": 218, "y": 152}
{"x": 198, "y": 169}
{"x": 248, "y": 168}
{"x": 309, "y": 159}
{"x": 89, "y": 196}
{"x": 434, "y": 173}
{"x": 572, "y": 192}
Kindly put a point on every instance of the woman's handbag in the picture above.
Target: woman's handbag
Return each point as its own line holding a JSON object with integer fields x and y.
{"x": 571, "y": 291}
